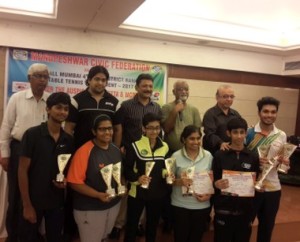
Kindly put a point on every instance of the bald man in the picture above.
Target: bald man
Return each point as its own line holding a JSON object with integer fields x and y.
{"x": 216, "y": 118}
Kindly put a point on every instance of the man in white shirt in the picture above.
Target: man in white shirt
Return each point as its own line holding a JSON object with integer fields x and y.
{"x": 25, "y": 109}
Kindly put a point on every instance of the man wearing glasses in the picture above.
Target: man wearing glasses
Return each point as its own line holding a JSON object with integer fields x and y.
{"x": 216, "y": 118}
{"x": 24, "y": 110}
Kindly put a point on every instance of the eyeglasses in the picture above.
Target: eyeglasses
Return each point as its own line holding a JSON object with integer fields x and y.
{"x": 227, "y": 96}
{"x": 99, "y": 79}
{"x": 104, "y": 129}
{"x": 152, "y": 129}
{"x": 181, "y": 89}
{"x": 40, "y": 76}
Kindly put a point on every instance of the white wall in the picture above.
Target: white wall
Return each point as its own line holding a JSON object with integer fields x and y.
{"x": 16, "y": 34}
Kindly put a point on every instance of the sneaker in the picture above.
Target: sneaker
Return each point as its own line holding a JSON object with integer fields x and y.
{"x": 140, "y": 231}
{"x": 115, "y": 233}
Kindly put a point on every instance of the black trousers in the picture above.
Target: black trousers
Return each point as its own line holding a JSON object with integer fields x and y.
{"x": 266, "y": 205}
{"x": 135, "y": 208}
{"x": 14, "y": 198}
{"x": 54, "y": 220}
{"x": 232, "y": 228}
{"x": 189, "y": 224}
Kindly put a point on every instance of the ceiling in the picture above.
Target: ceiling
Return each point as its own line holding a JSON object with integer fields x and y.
{"x": 266, "y": 26}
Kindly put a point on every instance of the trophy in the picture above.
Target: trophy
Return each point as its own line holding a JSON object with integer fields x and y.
{"x": 106, "y": 173}
{"x": 272, "y": 153}
{"x": 116, "y": 172}
{"x": 62, "y": 161}
{"x": 190, "y": 175}
{"x": 169, "y": 162}
{"x": 148, "y": 169}
{"x": 287, "y": 151}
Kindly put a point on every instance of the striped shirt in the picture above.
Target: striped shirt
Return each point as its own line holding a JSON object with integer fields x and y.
{"x": 130, "y": 116}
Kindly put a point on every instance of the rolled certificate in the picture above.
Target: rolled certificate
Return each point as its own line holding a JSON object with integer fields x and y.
{"x": 190, "y": 172}
{"x": 170, "y": 162}
{"x": 148, "y": 169}
{"x": 288, "y": 150}
{"x": 116, "y": 172}
{"x": 106, "y": 173}
{"x": 62, "y": 161}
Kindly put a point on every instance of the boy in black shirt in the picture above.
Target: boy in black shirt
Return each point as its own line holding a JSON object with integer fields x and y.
{"x": 232, "y": 221}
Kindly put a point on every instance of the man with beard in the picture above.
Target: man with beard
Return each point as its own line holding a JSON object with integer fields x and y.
{"x": 177, "y": 115}
{"x": 25, "y": 109}
{"x": 216, "y": 118}
{"x": 128, "y": 129}
{"x": 266, "y": 202}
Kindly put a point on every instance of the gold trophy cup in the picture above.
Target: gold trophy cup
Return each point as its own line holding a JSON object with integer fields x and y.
{"x": 169, "y": 162}
{"x": 148, "y": 169}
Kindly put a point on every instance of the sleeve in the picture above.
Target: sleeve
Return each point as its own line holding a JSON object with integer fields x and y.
{"x": 73, "y": 111}
{"x": 166, "y": 109}
{"x": 197, "y": 118}
{"x": 217, "y": 168}
{"x": 27, "y": 144}
{"x": 210, "y": 128}
{"x": 131, "y": 173}
{"x": 78, "y": 166}
{"x": 119, "y": 116}
{"x": 8, "y": 123}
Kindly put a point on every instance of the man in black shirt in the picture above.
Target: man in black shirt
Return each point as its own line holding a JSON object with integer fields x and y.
{"x": 216, "y": 118}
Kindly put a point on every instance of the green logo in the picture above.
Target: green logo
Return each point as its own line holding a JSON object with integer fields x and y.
{"x": 144, "y": 152}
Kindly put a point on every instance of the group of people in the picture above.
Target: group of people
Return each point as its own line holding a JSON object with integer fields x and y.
{"x": 111, "y": 148}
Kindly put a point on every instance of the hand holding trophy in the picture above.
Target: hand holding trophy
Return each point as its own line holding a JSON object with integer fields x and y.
{"x": 148, "y": 169}
{"x": 116, "y": 172}
{"x": 271, "y": 152}
{"x": 287, "y": 151}
{"x": 170, "y": 162}
{"x": 190, "y": 172}
{"x": 106, "y": 173}
{"x": 62, "y": 161}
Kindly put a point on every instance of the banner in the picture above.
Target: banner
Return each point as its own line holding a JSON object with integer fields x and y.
{"x": 68, "y": 73}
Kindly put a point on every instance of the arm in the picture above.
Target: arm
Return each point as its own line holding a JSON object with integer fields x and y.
{"x": 118, "y": 131}
{"x": 170, "y": 116}
{"x": 28, "y": 210}
{"x": 129, "y": 165}
{"x": 8, "y": 123}
{"x": 210, "y": 129}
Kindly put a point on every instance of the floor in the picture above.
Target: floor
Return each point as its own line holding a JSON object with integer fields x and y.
{"x": 287, "y": 228}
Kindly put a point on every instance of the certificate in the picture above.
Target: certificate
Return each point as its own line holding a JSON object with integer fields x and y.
{"x": 202, "y": 183}
{"x": 240, "y": 183}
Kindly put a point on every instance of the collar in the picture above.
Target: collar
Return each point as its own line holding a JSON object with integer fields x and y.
{"x": 29, "y": 95}
{"x": 220, "y": 111}
{"x": 136, "y": 100}
{"x": 200, "y": 156}
{"x": 257, "y": 129}
{"x": 244, "y": 150}
{"x": 86, "y": 91}
{"x": 45, "y": 131}
{"x": 159, "y": 142}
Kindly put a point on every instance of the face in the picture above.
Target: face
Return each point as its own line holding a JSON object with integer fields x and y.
{"x": 225, "y": 98}
{"x": 144, "y": 89}
{"x": 97, "y": 84}
{"x": 58, "y": 113}
{"x": 193, "y": 141}
{"x": 152, "y": 129}
{"x": 237, "y": 136}
{"x": 181, "y": 91}
{"x": 39, "y": 81}
{"x": 104, "y": 132}
{"x": 268, "y": 114}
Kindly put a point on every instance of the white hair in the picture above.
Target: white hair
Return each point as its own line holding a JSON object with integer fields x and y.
{"x": 37, "y": 67}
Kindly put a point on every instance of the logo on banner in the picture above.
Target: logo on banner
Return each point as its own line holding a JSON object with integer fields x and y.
{"x": 20, "y": 54}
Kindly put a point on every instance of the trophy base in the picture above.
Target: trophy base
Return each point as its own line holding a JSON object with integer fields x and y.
{"x": 60, "y": 178}
{"x": 145, "y": 186}
{"x": 169, "y": 180}
{"x": 121, "y": 190}
{"x": 111, "y": 192}
{"x": 283, "y": 168}
{"x": 258, "y": 187}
